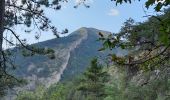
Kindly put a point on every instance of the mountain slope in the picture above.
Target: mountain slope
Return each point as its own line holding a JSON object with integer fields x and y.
{"x": 73, "y": 54}
{"x": 82, "y": 55}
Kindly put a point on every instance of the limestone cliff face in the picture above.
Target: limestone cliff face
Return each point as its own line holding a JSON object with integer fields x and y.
{"x": 56, "y": 75}
{"x": 72, "y": 56}
{"x": 48, "y": 71}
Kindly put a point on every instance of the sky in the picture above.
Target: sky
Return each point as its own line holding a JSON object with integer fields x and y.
{"x": 102, "y": 14}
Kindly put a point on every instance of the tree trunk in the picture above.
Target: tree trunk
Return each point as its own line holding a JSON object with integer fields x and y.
{"x": 2, "y": 12}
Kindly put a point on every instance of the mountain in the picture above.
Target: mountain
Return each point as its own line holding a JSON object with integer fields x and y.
{"x": 73, "y": 54}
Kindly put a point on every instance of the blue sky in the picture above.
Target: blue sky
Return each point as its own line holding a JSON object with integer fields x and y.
{"x": 98, "y": 15}
{"x": 102, "y": 14}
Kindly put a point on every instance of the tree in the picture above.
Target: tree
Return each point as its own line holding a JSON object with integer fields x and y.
{"x": 92, "y": 83}
{"x": 32, "y": 95}
{"x": 30, "y": 14}
{"x": 148, "y": 41}
{"x": 158, "y": 3}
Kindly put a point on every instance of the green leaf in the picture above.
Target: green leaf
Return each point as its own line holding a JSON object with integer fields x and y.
{"x": 149, "y": 3}
{"x": 158, "y": 7}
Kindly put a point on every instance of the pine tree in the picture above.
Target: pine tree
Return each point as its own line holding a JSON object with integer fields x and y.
{"x": 92, "y": 83}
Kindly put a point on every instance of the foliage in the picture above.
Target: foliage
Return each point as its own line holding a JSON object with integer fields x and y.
{"x": 63, "y": 91}
{"x": 119, "y": 88}
{"x": 7, "y": 82}
{"x": 93, "y": 81}
{"x": 116, "y": 88}
{"x": 158, "y": 3}
{"x": 29, "y": 14}
{"x": 148, "y": 45}
{"x": 60, "y": 91}
{"x": 148, "y": 42}
{"x": 76, "y": 89}
{"x": 32, "y": 95}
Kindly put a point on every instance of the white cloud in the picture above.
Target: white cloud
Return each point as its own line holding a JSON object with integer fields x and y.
{"x": 113, "y": 12}
{"x": 86, "y": 1}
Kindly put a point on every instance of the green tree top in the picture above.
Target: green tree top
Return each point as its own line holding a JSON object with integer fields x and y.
{"x": 93, "y": 80}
